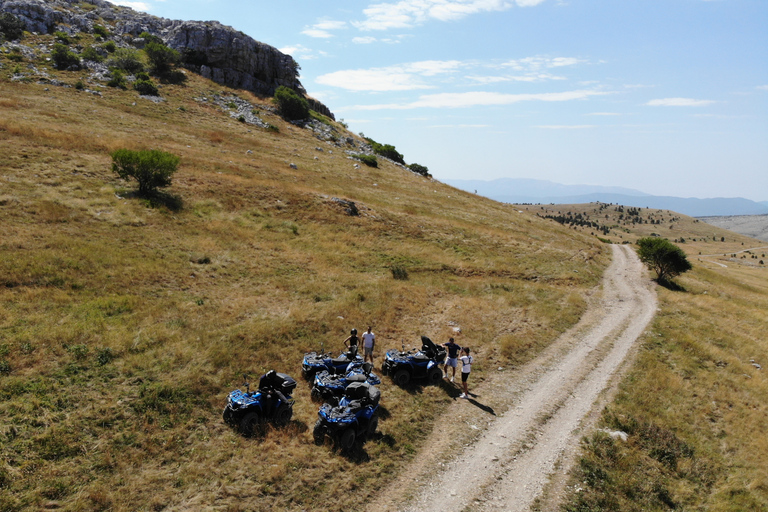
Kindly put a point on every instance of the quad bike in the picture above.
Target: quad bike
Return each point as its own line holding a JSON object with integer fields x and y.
{"x": 330, "y": 387}
{"x": 315, "y": 362}
{"x": 272, "y": 402}
{"x": 403, "y": 366}
{"x": 352, "y": 420}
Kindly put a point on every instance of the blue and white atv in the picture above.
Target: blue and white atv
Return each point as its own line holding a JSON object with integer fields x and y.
{"x": 330, "y": 387}
{"x": 352, "y": 420}
{"x": 403, "y": 366}
{"x": 315, "y": 362}
{"x": 272, "y": 402}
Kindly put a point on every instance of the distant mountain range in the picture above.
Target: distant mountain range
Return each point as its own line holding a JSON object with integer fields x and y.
{"x": 513, "y": 190}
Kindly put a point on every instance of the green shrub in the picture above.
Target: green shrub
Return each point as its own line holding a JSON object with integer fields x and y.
{"x": 145, "y": 87}
{"x": 110, "y": 46}
{"x": 16, "y": 55}
{"x": 11, "y": 27}
{"x": 162, "y": 59}
{"x": 104, "y": 356}
{"x": 272, "y": 128}
{"x": 5, "y": 367}
{"x": 117, "y": 80}
{"x": 92, "y": 53}
{"x": 63, "y": 58}
{"x": 127, "y": 60}
{"x": 151, "y": 168}
{"x": 420, "y": 169}
{"x": 399, "y": 272}
{"x": 386, "y": 150}
{"x": 291, "y": 105}
{"x": 369, "y": 160}
{"x": 142, "y": 75}
{"x": 149, "y": 38}
{"x": 62, "y": 37}
{"x": 79, "y": 85}
{"x": 100, "y": 30}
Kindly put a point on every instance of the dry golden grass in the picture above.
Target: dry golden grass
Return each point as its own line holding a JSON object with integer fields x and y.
{"x": 694, "y": 404}
{"x": 123, "y": 327}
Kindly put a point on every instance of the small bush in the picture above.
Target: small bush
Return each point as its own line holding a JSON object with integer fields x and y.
{"x": 368, "y": 160}
{"x": 272, "y": 128}
{"x": 387, "y": 151}
{"x": 151, "y": 168}
{"x": 79, "y": 85}
{"x": 110, "y": 46}
{"x": 145, "y": 87}
{"x": 161, "y": 58}
{"x": 101, "y": 31}
{"x": 104, "y": 356}
{"x": 62, "y": 37}
{"x": 117, "y": 80}
{"x": 92, "y": 54}
{"x": 5, "y": 367}
{"x": 127, "y": 60}
{"x": 399, "y": 272}
{"x": 291, "y": 106}
{"x": 63, "y": 58}
{"x": 420, "y": 169}
{"x": 11, "y": 27}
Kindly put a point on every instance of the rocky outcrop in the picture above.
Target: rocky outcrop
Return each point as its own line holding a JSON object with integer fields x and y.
{"x": 216, "y": 51}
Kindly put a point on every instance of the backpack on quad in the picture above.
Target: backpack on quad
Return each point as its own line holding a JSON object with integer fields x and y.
{"x": 404, "y": 366}
{"x": 330, "y": 387}
{"x": 272, "y": 402}
{"x": 315, "y": 362}
{"x": 352, "y": 420}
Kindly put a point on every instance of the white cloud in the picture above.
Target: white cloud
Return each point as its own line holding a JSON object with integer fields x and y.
{"x": 533, "y": 77}
{"x": 364, "y": 40}
{"x": 322, "y": 28}
{"x": 137, "y": 6}
{"x": 299, "y": 51}
{"x": 604, "y": 114}
{"x": 679, "y": 102}
{"x": 534, "y": 64}
{"x": 405, "y": 77}
{"x": 410, "y": 13}
{"x": 762, "y": 87}
{"x": 315, "y": 32}
{"x": 478, "y": 99}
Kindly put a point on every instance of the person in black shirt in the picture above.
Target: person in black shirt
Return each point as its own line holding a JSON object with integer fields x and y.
{"x": 452, "y": 359}
{"x": 351, "y": 343}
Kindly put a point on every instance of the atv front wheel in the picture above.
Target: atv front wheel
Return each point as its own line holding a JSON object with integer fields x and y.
{"x": 435, "y": 375}
{"x": 283, "y": 415}
{"x": 249, "y": 425}
{"x": 318, "y": 433}
{"x": 402, "y": 377}
{"x": 347, "y": 439}
{"x": 227, "y": 415}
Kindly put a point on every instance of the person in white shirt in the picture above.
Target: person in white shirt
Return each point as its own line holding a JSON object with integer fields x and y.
{"x": 369, "y": 341}
{"x": 466, "y": 367}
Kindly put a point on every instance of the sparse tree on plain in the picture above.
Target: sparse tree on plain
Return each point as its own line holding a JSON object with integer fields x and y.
{"x": 663, "y": 257}
{"x": 151, "y": 168}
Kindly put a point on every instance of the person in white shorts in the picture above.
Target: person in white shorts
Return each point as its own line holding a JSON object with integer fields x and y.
{"x": 452, "y": 358}
{"x": 369, "y": 341}
{"x": 466, "y": 367}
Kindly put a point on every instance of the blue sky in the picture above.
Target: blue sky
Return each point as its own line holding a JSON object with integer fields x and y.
{"x": 666, "y": 96}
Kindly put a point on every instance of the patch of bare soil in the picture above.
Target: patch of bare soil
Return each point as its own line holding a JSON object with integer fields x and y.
{"x": 476, "y": 460}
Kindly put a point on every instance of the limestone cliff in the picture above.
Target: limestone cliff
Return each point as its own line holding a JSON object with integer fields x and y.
{"x": 216, "y": 51}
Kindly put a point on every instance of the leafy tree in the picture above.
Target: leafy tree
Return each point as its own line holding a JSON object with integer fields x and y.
{"x": 664, "y": 257}
{"x": 126, "y": 59}
{"x": 145, "y": 87}
{"x": 162, "y": 59}
{"x": 63, "y": 58}
{"x": 386, "y": 150}
{"x": 11, "y": 27}
{"x": 291, "y": 106}
{"x": 151, "y": 168}
{"x": 91, "y": 53}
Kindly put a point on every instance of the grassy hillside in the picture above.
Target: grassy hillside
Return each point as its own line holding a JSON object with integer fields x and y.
{"x": 124, "y": 323}
{"x": 694, "y": 404}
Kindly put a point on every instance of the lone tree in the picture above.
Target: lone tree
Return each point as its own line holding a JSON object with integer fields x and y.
{"x": 291, "y": 105}
{"x": 661, "y": 255}
{"x": 151, "y": 168}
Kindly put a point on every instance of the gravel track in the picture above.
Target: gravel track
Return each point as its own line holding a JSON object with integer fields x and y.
{"x": 550, "y": 403}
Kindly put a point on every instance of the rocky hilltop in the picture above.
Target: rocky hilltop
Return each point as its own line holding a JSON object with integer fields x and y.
{"x": 215, "y": 51}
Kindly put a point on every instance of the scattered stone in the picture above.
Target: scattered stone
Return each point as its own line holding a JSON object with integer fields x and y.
{"x": 293, "y": 166}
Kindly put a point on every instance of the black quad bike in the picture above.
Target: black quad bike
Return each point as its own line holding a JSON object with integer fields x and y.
{"x": 403, "y": 366}
{"x": 272, "y": 402}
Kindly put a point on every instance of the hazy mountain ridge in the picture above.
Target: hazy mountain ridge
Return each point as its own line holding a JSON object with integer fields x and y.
{"x": 511, "y": 190}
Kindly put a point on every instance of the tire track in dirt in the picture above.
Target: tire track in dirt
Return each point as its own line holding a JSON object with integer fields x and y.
{"x": 510, "y": 463}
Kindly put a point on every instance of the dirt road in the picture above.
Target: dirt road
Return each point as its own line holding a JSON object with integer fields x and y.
{"x": 549, "y": 404}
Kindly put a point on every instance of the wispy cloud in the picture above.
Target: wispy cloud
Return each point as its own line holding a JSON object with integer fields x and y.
{"x": 137, "y": 6}
{"x": 404, "y": 77}
{"x": 535, "y": 64}
{"x": 322, "y": 29}
{"x": 604, "y": 114}
{"x": 679, "y": 102}
{"x": 762, "y": 87}
{"x": 408, "y": 13}
{"x": 299, "y": 51}
{"x": 478, "y": 99}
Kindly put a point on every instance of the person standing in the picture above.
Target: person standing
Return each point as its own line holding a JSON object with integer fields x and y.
{"x": 351, "y": 343}
{"x": 369, "y": 341}
{"x": 466, "y": 367}
{"x": 452, "y": 359}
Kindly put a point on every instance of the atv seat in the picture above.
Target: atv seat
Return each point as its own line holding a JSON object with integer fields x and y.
{"x": 421, "y": 356}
